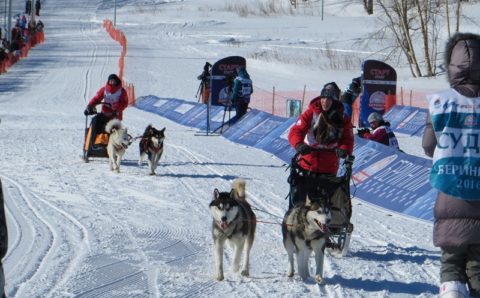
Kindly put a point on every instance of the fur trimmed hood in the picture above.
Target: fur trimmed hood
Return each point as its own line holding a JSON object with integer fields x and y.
{"x": 462, "y": 58}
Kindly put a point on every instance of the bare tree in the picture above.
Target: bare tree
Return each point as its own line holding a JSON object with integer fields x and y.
{"x": 368, "y": 4}
{"x": 457, "y": 27}
{"x": 414, "y": 23}
{"x": 447, "y": 11}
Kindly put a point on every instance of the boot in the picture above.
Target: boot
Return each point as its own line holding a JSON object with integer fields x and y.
{"x": 453, "y": 289}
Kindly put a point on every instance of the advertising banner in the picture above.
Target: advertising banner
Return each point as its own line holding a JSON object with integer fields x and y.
{"x": 222, "y": 71}
{"x": 379, "y": 80}
{"x": 407, "y": 120}
{"x": 391, "y": 179}
{"x": 260, "y": 131}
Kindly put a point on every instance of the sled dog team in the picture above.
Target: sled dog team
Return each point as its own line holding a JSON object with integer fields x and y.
{"x": 151, "y": 144}
{"x": 304, "y": 229}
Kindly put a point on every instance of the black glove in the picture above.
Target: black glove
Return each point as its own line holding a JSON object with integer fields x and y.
{"x": 88, "y": 111}
{"x": 362, "y": 131}
{"x": 349, "y": 159}
{"x": 356, "y": 86}
{"x": 303, "y": 149}
{"x": 341, "y": 153}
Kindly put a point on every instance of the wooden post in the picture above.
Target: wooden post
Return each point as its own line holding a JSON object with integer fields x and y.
{"x": 273, "y": 101}
{"x": 401, "y": 95}
{"x": 303, "y": 98}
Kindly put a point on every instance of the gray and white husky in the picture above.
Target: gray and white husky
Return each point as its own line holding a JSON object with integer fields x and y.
{"x": 118, "y": 142}
{"x": 233, "y": 220}
{"x": 305, "y": 229}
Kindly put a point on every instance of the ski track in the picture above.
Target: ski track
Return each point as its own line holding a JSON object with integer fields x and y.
{"x": 40, "y": 240}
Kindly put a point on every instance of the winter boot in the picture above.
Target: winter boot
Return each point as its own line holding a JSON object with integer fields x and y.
{"x": 453, "y": 289}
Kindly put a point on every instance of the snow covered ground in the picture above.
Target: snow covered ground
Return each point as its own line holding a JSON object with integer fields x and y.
{"x": 78, "y": 230}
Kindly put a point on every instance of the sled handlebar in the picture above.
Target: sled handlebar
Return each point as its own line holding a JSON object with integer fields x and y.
{"x": 94, "y": 111}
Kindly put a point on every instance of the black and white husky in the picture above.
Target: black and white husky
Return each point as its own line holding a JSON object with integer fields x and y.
{"x": 118, "y": 142}
{"x": 233, "y": 220}
{"x": 152, "y": 146}
{"x": 305, "y": 229}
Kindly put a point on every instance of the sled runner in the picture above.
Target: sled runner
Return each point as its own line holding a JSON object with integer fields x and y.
{"x": 335, "y": 191}
{"x": 96, "y": 139}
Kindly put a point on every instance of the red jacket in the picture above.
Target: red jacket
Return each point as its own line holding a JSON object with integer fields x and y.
{"x": 383, "y": 135}
{"x": 116, "y": 96}
{"x": 302, "y": 132}
{"x": 379, "y": 135}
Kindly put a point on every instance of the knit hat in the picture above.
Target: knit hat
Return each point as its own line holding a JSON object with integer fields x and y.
{"x": 330, "y": 90}
{"x": 114, "y": 77}
{"x": 374, "y": 117}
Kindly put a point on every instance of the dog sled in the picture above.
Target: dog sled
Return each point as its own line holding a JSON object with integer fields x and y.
{"x": 96, "y": 138}
{"x": 335, "y": 192}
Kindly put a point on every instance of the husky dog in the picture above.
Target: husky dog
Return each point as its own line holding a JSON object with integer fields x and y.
{"x": 305, "y": 228}
{"x": 152, "y": 145}
{"x": 233, "y": 220}
{"x": 118, "y": 142}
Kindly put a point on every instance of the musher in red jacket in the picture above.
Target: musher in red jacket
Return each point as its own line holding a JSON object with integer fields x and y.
{"x": 321, "y": 135}
{"x": 115, "y": 100}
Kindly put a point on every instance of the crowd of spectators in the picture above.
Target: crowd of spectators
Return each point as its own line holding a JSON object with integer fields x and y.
{"x": 24, "y": 35}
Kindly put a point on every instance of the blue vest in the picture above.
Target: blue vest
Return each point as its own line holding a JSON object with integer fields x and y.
{"x": 245, "y": 89}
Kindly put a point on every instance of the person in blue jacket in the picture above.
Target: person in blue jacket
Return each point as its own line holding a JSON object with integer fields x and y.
{"x": 348, "y": 97}
{"x": 242, "y": 89}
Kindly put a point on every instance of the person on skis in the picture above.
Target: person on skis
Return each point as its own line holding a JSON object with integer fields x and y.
{"x": 382, "y": 133}
{"x": 321, "y": 135}
{"x": 115, "y": 100}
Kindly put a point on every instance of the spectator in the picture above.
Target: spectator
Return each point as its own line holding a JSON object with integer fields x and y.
{"x": 205, "y": 82}
{"x": 23, "y": 22}
{"x": 451, "y": 138}
{"x": 321, "y": 135}
{"x": 382, "y": 133}
{"x": 32, "y": 34}
{"x": 242, "y": 89}
{"x": 226, "y": 93}
{"x": 349, "y": 96}
{"x": 28, "y": 7}
{"x": 38, "y": 5}
{"x": 115, "y": 100}
{"x": 39, "y": 26}
{"x": 3, "y": 241}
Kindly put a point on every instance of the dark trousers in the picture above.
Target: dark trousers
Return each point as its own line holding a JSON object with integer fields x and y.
{"x": 313, "y": 186}
{"x": 2, "y": 281}
{"x": 240, "y": 109}
{"x": 462, "y": 264}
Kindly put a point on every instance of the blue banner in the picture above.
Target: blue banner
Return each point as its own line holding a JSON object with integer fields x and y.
{"x": 391, "y": 179}
{"x": 382, "y": 175}
{"x": 407, "y": 120}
